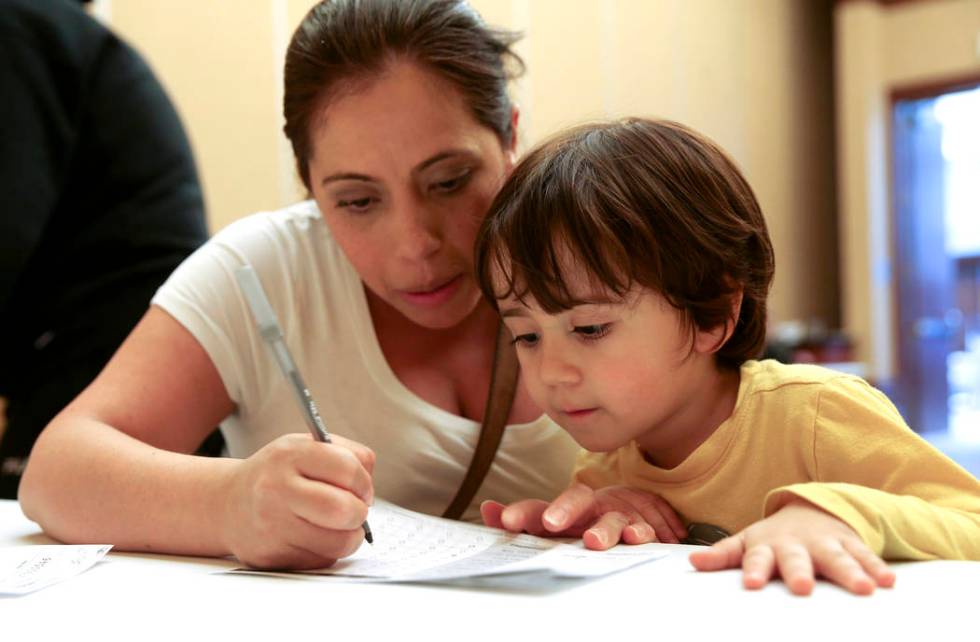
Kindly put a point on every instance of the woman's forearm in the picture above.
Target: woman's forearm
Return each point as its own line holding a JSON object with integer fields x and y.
{"x": 87, "y": 482}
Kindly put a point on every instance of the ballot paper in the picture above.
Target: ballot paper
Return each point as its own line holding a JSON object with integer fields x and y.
{"x": 24, "y": 569}
{"x": 412, "y": 547}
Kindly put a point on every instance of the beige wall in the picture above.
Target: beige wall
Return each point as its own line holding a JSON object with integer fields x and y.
{"x": 879, "y": 49}
{"x": 746, "y": 72}
{"x": 215, "y": 58}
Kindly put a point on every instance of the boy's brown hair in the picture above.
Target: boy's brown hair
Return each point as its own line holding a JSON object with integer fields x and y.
{"x": 633, "y": 202}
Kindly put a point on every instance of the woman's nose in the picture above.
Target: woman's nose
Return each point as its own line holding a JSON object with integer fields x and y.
{"x": 419, "y": 233}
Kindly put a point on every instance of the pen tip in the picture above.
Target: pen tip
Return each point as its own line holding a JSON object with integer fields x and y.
{"x": 368, "y": 535}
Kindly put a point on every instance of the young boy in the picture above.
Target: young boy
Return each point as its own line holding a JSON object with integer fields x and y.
{"x": 631, "y": 262}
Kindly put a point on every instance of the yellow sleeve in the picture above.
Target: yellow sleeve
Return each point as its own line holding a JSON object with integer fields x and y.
{"x": 903, "y": 497}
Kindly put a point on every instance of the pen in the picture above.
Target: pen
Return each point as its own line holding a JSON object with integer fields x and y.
{"x": 265, "y": 319}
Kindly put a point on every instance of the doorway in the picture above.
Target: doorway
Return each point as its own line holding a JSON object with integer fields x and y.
{"x": 936, "y": 197}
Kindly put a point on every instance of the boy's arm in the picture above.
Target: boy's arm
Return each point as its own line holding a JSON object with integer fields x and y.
{"x": 903, "y": 497}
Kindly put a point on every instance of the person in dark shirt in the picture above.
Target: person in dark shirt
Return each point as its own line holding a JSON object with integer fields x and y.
{"x": 99, "y": 202}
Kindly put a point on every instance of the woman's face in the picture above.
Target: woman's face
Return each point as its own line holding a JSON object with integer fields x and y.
{"x": 404, "y": 174}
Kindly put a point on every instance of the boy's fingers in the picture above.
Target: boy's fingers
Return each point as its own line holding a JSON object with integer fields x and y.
{"x": 758, "y": 564}
{"x": 656, "y": 512}
{"x": 726, "y": 553}
{"x": 795, "y": 567}
{"x": 491, "y": 513}
{"x": 606, "y": 532}
{"x": 568, "y": 508}
{"x": 673, "y": 520}
{"x": 525, "y": 516}
{"x": 840, "y": 567}
{"x": 639, "y": 533}
{"x": 871, "y": 563}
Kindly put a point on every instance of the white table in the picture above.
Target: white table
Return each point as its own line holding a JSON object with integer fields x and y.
{"x": 139, "y": 596}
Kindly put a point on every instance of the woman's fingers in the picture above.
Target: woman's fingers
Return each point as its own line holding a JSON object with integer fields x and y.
{"x": 305, "y": 546}
{"x": 338, "y": 466}
{"x": 296, "y": 495}
{"x": 327, "y": 506}
{"x": 363, "y": 454}
{"x": 324, "y": 545}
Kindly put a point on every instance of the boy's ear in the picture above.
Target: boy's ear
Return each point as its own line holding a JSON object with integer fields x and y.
{"x": 711, "y": 341}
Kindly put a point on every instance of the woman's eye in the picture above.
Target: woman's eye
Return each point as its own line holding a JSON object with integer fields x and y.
{"x": 356, "y": 205}
{"x": 526, "y": 340}
{"x": 592, "y": 332}
{"x": 453, "y": 184}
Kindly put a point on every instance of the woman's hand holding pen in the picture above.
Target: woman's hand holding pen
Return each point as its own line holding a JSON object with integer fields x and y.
{"x": 602, "y": 517}
{"x": 298, "y": 503}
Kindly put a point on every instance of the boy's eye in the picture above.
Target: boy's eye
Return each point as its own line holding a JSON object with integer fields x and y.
{"x": 356, "y": 205}
{"x": 529, "y": 339}
{"x": 592, "y": 332}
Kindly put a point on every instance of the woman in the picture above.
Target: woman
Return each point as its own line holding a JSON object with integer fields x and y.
{"x": 402, "y": 130}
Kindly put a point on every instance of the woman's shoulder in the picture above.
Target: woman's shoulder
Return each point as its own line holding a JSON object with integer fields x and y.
{"x": 291, "y": 240}
{"x": 292, "y": 222}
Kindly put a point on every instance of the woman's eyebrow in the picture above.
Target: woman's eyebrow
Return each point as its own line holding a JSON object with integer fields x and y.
{"x": 441, "y": 156}
{"x": 348, "y": 176}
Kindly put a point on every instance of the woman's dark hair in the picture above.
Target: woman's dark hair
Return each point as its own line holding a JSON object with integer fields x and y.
{"x": 633, "y": 202}
{"x": 342, "y": 42}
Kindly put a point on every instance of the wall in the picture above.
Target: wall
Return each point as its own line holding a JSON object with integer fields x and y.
{"x": 752, "y": 74}
{"x": 879, "y": 48}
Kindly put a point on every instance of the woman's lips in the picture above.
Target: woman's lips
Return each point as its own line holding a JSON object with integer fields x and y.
{"x": 437, "y": 295}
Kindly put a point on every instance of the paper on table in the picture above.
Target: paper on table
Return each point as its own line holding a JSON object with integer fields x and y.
{"x": 410, "y": 546}
{"x": 24, "y": 569}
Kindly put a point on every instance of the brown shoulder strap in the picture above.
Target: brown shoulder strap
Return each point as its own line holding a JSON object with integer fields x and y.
{"x": 503, "y": 385}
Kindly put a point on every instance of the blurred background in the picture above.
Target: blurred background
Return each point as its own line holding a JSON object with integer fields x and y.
{"x": 857, "y": 123}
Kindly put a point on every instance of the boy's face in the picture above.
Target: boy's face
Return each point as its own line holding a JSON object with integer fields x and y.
{"x": 611, "y": 373}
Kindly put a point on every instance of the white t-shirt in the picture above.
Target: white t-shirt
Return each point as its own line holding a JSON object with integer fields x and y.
{"x": 422, "y": 451}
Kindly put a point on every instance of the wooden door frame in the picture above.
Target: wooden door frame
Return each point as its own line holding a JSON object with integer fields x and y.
{"x": 912, "y": 91}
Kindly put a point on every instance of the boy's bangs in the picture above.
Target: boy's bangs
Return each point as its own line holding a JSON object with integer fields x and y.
{"x": 560, "y": 248}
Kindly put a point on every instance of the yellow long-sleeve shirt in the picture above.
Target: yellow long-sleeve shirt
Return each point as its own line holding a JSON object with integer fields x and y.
{"x": 826, "y": 437}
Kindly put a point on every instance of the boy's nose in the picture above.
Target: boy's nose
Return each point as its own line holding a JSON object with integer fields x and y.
{"x": 556, "y": 368}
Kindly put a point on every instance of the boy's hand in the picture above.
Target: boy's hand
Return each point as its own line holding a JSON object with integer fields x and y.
{"x": 602, "y": 518}
{"x": 797, "y": 540}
